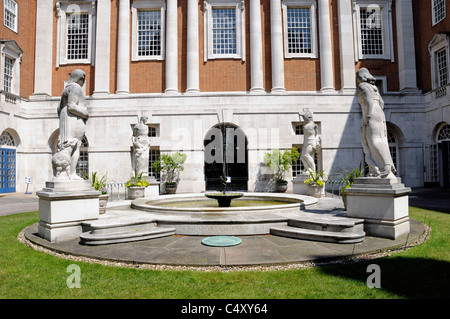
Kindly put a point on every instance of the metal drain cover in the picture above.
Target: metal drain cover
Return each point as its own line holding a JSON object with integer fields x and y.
{"x": 221, "y": 241}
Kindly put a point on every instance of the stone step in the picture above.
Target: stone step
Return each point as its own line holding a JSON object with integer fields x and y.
{"x": 318, "y": 235}
{"x": 335, "y": 224}
{"x": 104, "y": 233}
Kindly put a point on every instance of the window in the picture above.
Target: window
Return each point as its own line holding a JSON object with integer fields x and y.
{"x": 75, "y": 33}
{"x": 83, "y": 161}
{"x": 8, "y": 74}
{"x": 153, "y": 158}
{"x": 10, "y": 14}
{"x": 148, "y": 26}
{"x": 10, "y": 69}
{"x": 438, "y": 7}
{"x": 439, "y": 58}
{"x": 444, "y": 133}
{"x": 224, "y": 29}
{"x": 442, "y": 67}
{"x": 299, "y": 22}
{"x": 393, "y": 148}
{"x": 373, "y": 30}
{"x": 6, "y": 139}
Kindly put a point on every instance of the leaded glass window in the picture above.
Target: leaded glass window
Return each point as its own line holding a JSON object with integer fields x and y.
{"x": 224, "y": 31}
{"x": 299, "y": 30}
{"x": 6, "y": 139}
{"x": 149, "y": 33}
{"x": 78, "y": 36}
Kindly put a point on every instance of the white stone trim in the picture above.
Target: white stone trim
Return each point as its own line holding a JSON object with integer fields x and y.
{"x": 139, "y": 5}
{"x": 386, "y": 16}
{"x": 11, "y": 50}
{"x": 440, "y": 41}
{"x": 240, "y": 29}
{"x": 311, "y": 4}
{"x": 63, "y": 8}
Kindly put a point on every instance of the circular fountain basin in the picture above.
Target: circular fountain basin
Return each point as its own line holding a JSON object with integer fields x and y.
{"x": 194, "y": 214}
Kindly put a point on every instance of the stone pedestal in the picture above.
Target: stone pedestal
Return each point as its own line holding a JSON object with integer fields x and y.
{"x": 152, "y": 190}
{"x": 63, "y": 206}
{"x": 299, "y": 186}
{"x": 382, "y": 203}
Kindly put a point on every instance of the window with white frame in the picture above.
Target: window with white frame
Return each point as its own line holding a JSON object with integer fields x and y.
{"x": 438, "y": 10}
{"x": 76, "y": 32}
{"x": 224, "y": 29}
{"x": 373, "y": 29}
{"x": 10, "y": 14}
{"x": 11, "y": 55}
{"x": 439, "y": 58}
{"x": 299, "y": 22}
{"x": 148, "y": 30}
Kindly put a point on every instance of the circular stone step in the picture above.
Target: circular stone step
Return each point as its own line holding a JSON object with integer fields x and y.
{"x": 221, "y": 241}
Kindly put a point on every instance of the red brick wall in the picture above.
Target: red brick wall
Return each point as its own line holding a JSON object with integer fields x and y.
{"x": 424, "y": 33}
{"x": 25, "y": 39}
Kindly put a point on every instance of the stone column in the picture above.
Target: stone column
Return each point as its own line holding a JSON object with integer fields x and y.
{"x": 276, "y": 32}
{"x": 347, "y": 50}
{"x": 192, "y": 48}
{"x": 102, "y": 48}
{"x": 172, "y": 47}
{"x": 406, "y": 50}
{"x": 326, "y": 50}
{"x": 256, "y": 64}
{"x": 44, "y": 49}
{"x": 123, "y": 48}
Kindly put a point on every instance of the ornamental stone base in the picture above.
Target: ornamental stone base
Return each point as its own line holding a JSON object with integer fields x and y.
{"x": 298, "y": 184}
{"x": 382, "y": 203}
{"x": 64, "y": 206}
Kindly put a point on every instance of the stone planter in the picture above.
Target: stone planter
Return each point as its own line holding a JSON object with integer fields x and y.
{"x": 170, "y": 188}
{"x": 316, "y": 191}
{"x": 136, "y": 192}
{"x": 281, "y": 187}
{"x": 103, "y": 200}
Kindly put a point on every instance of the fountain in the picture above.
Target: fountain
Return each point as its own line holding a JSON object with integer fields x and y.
{"x": 224, "y": 198}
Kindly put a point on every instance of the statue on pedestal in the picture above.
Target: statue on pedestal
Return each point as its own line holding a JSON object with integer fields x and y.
{"x": 374, "y": 130}
{"x": 73, "y": 115}
{"x": 311, "y": 141}
{"x": 141, "y": 146}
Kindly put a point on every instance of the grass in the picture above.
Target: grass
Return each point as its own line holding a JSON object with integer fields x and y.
{"x": 419, "y": 272}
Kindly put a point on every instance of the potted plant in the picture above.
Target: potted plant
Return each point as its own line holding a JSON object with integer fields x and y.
{"x": 347, "y": 178}
{"x": 280, "y": 162}
{"x": 99, "y": 184}
{"x": 316, "y": 183}
{"x": 136, "y": 186}
{"x": 170, "y": 166}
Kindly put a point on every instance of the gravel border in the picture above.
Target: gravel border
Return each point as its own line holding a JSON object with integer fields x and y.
{"x": 344, "y": 260}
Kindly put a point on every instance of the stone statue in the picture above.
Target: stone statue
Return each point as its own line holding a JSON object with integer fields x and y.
{"x": 141, "y": 146}
{"x": 311, "y": 141}
{"x": 73, "y": 115}
{"x": 373, "y": 130}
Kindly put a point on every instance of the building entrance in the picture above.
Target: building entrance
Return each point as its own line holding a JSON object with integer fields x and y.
{"x": 226, "y": 154}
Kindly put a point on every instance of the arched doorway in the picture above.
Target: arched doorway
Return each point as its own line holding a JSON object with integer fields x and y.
{"x": 443, "y": 141}
{"x": 7, "y": 163}
{"x": 226, "y": 153}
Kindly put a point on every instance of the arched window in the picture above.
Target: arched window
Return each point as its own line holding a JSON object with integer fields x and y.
{"x": 6, "y": 139}
{"x": 444, "y": 133}
{"x": 83, "y": 161}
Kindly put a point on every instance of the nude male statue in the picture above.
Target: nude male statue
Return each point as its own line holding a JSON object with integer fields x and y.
{"x": 311, "y": 142}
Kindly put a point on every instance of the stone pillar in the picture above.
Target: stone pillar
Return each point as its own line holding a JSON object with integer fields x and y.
{"x": 172, "y": 47}
{"x": 102, "y": 48}
{"x": 406, "y": 50}
{"x": 326, "y": 50}
{"x": 276, "y": 32}
{"x": 193, "y": 85}
{"x": 256, "y": 64}
{"x": 44, "y": 49}
{"x": 123, "y": 48}
{"x": 347, "y": 50}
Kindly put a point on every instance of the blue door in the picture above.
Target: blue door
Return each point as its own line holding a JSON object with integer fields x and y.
{"x": 7, "y": 170}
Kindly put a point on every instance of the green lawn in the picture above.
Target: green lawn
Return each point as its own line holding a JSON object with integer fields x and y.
{"x": 419, "y": 272}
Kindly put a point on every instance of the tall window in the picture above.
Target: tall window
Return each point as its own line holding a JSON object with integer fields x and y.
{"x": 373, "y": 29}
{"x": 442, "y": 67}
{"x": 77, "y": 36}
{"x": 153, "y": 158}
{"x": 393, "y": 148}
{"x": 10, "y": 14}
{"x": 224, "y": 29}
{"x": 299, "y": 30}
{"x": 299, "y": 23}
{"x": 83, "y": 161}
{"x": 438, "y": 10}
{"x": 149, "y": 33}
{"x": 8, "y": 74}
